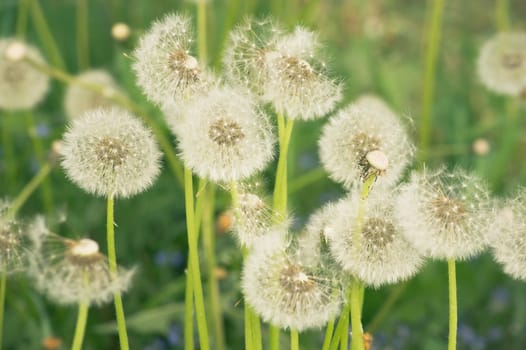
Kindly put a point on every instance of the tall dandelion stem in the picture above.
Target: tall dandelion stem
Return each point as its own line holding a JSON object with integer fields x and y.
{"x": 328, "y": 335}
{"x": 189, "y": 311}
{"x": 294, "y": 340}
{"x": 80, "y": 328}
{"x": 82, "y": 34}
{"x": 452, "y": 342}
{"x": 3, "y": 283}
{"x": 112, "y": 259}
{"x": 194, "y": 260}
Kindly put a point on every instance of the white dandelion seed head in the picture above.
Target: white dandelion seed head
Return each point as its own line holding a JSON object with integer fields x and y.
{"x": 13, "y": 243}
{"x": 72, "y": 271}
{"x": 445, "y": 214}
{"x": 79, "y": 99}
{"x": 164, "y": 65}
{"x": 21, "y": 85}
{"x": 284, "y": 290}
{"x": 356, "y": 133}
{"x": 120, "y": 31}
{"x": 507, "y": 236}
{"x": 502, "y": 63}
{"x": 225, "y": 137}
{"x": 108, "y": 152}
{"x": 296, "y": 83}
{"x": 379, "y": 254}
{"x": 246, "y": 52}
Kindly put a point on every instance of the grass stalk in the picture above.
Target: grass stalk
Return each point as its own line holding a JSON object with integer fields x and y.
{"x": 82, "y": 34}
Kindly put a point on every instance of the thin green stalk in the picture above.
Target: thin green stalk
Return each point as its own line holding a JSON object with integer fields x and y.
{"x": 201, "y": 31}
{"x": 249, "y": 337}
{"x": 21, "y": 19}
{"x": 256, "y": 331}
{"x": 47, "y": 193}
{"x": 122, "y": 100}
{"x": 28, "y": 189}
{"x": 202, "y": 327}
{"x": 213, "y": 297}
{"x": 502, "y": 17}
{"x": 280, "y": 188}
{"x": 386, "y": 307}
{"x": 3, "y": 283}
{"x": 328, "y": 335}
{"x": 432, "y": 40}
{"x": 356, "y": 315}
{"x": 452, "y": 342}
{"x": 82, "y": 34}
{"x": 8, "y": 151}
{"x": 294, "y": 340}
{"x": 341, "y": 328}
{"x": 308, "y": 178}
{"x": 189, "y": 310}
{"x": 112, "y": 259}
{"x": 43, "y": 31}
{"x": 80, "y": 328}
{"x": 273, "y": 337}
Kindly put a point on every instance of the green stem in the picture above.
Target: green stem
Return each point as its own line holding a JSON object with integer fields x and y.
{"x": 328, "y": 335}
{"x": 294, "y": 340}
{"x": 433, "y": 40}
{"x": 10, "y": 163}
{"x": 452, "y": 342}
{"x": 189, "y": 310}
{"x": 273, "y": 337}
{"x": 29, "y": 188}
{"x": 43, "y": 31}
{"x": 82, "y": 34}
{"x": 356, "y": 315}
{"x": 112, "y": 259}
{"x": 80, "y": 328}
{"x": 256, "y": 331}
{"x": 308, "y": 178}
{"x": 342, "y": 327}
{"x": 201, "y": 31}
{"x": 249, "y": 337}
{"x": 122, "y": 100}
{"x": 3, "y": 283}
{"x": 202, "y": 327}
{"x": 21, "y": 19}
{"x": 280, "y": 187}
{"x": 502, "y": 17}
{"x": 213, "y": 297}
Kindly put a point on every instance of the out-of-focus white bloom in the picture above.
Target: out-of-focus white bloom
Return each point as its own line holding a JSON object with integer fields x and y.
{"x": 284, "y": 70}
{"x": 120, "y": 31}
{"x": 357, "y": 131}
{"x": 73, "y": 271}
{"x": 165, "y": 68}
{"x": 21, "y": 85}
{"x": 445, "y": 214}
{"x": 502, "y": 63}
{"x": 374, "y": 248}
{"x": 286, "y": 290}
{"x": 13, "y": 247}
{"x": 224, "y": 136}
{"x": 109, "y": 152}
{"x": 79, "y": 99}
{"x": 507, "y": 236}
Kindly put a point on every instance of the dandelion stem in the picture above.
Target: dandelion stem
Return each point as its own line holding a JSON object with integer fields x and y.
{"x": 189, "y": 310}
{"x": 356, "y": 315}
{"x": 202, "y": 327}
{"x": 273, "y": 337}
{"x": 452, "y": 342}
{"x": 80, "y": 328}
{"x": 433, "y": 40}
{"x": 328, "y": 335}
{"x": 294, "y": 340}
{"x": 502, "y": 17}
{"x": 28, "y": 189}
{"x": 82, "y": 34}
{"x": 342, "y": 329}
{"x": 201, "y": 31}
{"x": 112, "y": 260}
{"x": 3, "y": 283}
{"x": 43, "y": 31}
{"x": 21, "y": 19}
{"x": 8, "y": 150}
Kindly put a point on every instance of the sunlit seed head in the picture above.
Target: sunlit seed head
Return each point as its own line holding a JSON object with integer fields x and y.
{"x": 21, "y": 85}
{"x": 165, "y": 68}
{"x": 359, "y": 141}
{"x": 502, "y": 63}
{"x": 109, "y": 152}
{"x": 445, "y": 213}
{"x": 120, "y": 31}
{"x": 224, "y": 136}
{"x": 481, "y": 147}
{"x": 13, "y": 245}
{"x": 80, "y": 99}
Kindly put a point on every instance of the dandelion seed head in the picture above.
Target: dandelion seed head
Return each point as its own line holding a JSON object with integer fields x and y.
{"x": 284, "y": 289}
{"x": 224, "y": 137}
{"x": 502, "y": 63}
{"x": 358, "y": 139}
{"x": 79, "y": 99}
{"x": 379, "y": 254}
{"x": 13, "y": 245}
{"x": 445, "y": 213}
{"x": 165, "y": 68}
{"x": 21, "y": 85}
{"x": 109, "y": 152}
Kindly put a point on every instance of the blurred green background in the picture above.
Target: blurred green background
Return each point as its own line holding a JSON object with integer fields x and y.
{"x": 375, "y": 46}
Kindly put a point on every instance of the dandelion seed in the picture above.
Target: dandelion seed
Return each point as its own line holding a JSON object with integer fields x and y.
{"x": 21, "y": 85}
{"x": 444, "y": 214}
{"x": 79, "y": 99}
{"x": 165, "y": 68}
{"x": 357, "y": 136}
{"x": 224, "y": 137}
{"x": 109, "y": 152}
{"x": 13, "y": 245}
{"x": 73, "y": 271}
{"x": 502, "y": 63}
{"x": 284, "y": 290}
